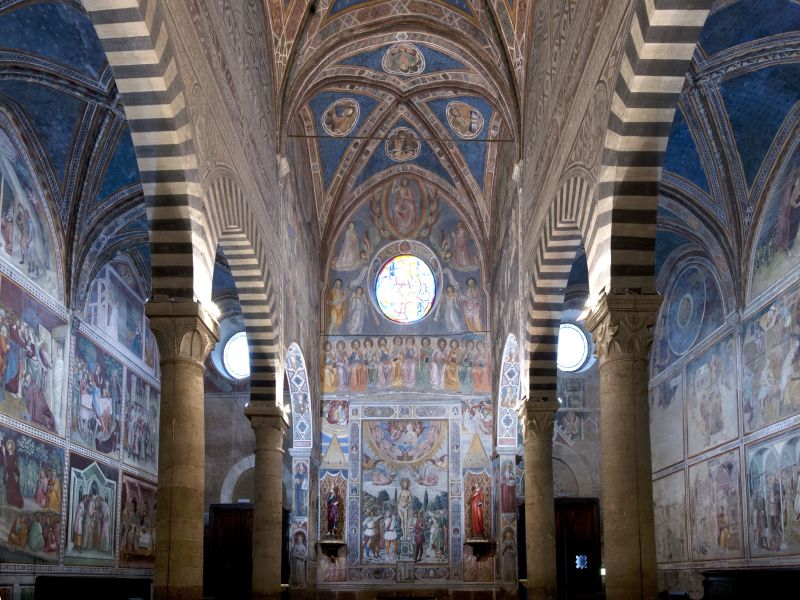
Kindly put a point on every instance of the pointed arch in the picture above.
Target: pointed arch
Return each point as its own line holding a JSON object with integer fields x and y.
{"x": 241, "y": 240}
{"x": 508, "y": 395}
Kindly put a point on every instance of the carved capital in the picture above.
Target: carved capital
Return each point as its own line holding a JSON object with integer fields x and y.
{"x": 270, "y": 424}
{"x": 185, "y": 331}
{"x": 622, "y": 325}
{"x": 539, "y": 418}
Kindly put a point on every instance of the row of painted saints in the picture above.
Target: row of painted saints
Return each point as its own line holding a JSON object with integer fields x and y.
{"x": 456, "y": 365}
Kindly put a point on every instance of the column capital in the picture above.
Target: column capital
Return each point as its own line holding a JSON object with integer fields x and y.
{"x": 266, "y": 416}
{"x": 184, "y": 330}
{"x": 539, "y": 418}
{"x": 621, "y": 325}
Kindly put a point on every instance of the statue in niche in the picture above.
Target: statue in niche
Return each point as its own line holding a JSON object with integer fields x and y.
{"x": 476, "y": 512}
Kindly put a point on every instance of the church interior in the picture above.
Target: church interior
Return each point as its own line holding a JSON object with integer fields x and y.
{"x": 365, "y": 299}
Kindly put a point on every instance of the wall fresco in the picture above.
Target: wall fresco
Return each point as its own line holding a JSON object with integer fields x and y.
{"x": 137, "y": 523}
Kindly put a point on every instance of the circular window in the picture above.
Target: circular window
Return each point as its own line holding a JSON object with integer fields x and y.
{"x": 236, "y": 356}
{"x": 405, "y": 289}
{"x": 573, "y": 347}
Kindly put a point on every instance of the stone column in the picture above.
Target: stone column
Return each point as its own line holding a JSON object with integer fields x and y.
{"x": 270, "y": 424}
{"x": 186, "y": 333}
{"x": 540, "y": 527}
{"x": 621, "y": 325}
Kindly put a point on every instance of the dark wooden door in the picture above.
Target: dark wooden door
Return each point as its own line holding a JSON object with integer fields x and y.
{"x": 229, "y": 561}
{"x": 578, "y": 548}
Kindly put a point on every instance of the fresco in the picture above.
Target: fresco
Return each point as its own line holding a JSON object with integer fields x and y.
{"x": 773, "y": 496}
{"x": 137, "y": 523}
{"x": 421, "y": 363}
{"x": 404, "y": 500}
{"x": 775, "y": 253}
{"x": 771, "y": 362}
{"x": 340, "y": 118}
{"x": 405, "y": 207}
{"x": 30, "y": 498}
{"x": 96, "y": 398}
{"x": 142, "y": 407}
{"x": 402, "y": 145}
{"x": 466, "y": 120}
{"x": 507, "y": 420}
{"x": 666, "y": 423}
{"x": 115, "y": 309}
{"x": 403, "y": 59}
{"x": 333, "y": 488}
{"x": 692, "y": 310}
{"x": 711, "y": 392}
{"x": 714, "y": 508}
{"x": 669, "y": 503}
{"x": 91, "y": 535}
{"x": 33, "y": 359}
{"x": 25, "y": 227}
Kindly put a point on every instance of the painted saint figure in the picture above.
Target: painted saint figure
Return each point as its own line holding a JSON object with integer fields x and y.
{"x": 349, "y": 256}
{"x": 471, "y": 303}
{"x": 334, "y": 513}
{"x": 404, "y": 210}
{"x": 336, "y": 301}
{"x": 12, "y": 474}
{"x": 508, "y": 488}
{"x": 404, "y": 501}
{"x": 358, "y": 310}
{"x": 461, "y": 256}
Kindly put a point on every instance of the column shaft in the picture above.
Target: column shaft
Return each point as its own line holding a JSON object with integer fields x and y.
{"x": 621, "y": 327}
{"x": 270, "y": 425}
{"x": 185, "y": 335}
{"x": 540, "y": 540}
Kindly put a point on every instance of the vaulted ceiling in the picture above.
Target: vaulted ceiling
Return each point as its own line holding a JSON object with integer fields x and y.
{"x": 381, "y": 87}
{"x": 58, "y": 93}
{"x": 734, "y": 124}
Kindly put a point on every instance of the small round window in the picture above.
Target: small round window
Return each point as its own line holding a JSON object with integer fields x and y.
{"x": 573, "y": 347}
{"x": 236, "y": 356}
{"x": 405, "y": 289}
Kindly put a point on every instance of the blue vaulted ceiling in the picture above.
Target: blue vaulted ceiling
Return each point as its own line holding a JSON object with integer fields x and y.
{"x": 57, "y": 88}
{"x": 742, "y": 98}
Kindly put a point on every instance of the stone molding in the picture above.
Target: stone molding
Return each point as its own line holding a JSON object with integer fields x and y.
{"x": 622, "y": 326}
{"x": 270, "y": 424}
{"x": 185, "y": 331}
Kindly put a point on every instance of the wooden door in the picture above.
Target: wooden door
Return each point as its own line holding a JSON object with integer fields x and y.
{"x": 578, "y": 548}
{"x": 229, "y": 561}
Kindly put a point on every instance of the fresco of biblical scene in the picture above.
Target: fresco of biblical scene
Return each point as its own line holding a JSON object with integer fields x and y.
{"x": 92, "y": 505}
{"x": 115, "y": 309}
{"x": 776, "y": 250}
{"x": 669, "y": 504}
{"x": 714, "y": 513}
{"x": 771, "y": 357}
{"x": 404, "y": 500}
{"x": 402, "y": 144}
{"x": 33, "y": 345}
{"x": 466, "y": 120}
{"x": 691, "y": 311}
{"x": 141, "y": 424}
{"x": 773, "y": 496}
{"x": 396, "y": 363}
{"x": 25, "y": 226}
{"x": 405, "y": 207}
{"x": 30, "y": 498}
{"x": 96, "y": 398}
{"x": 711, "y": 397}
{"x": 666, "y": 423}
{"x": 137, "y": 523}
{"x": 403, "y": 59}
{"x": 340, "y": 118}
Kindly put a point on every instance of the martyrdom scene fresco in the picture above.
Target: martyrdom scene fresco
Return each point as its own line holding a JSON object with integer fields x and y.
{"x": 404, "y": 501}
{"x": 405, "y": 207}
{"x": 142, "y": 404}
{"x": 776, "y": 250}
{"x": 714, "y": 503}
{"x": 33, "y": 364}
{"x": 25, "y": 226}
{"x": 30, "y": 498}
{"x": 386, "y": 364}
{"x": 96, "y": 398}
{"x": 137, "y": 523}
{"x": 92, "y": 508}
{"x": 771, "y": 357}
{"x": 711, "y": 397}
{"x": 692, "y": 310}
{"x": 773, "y": 496}
{"x": 669, "y": 495}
